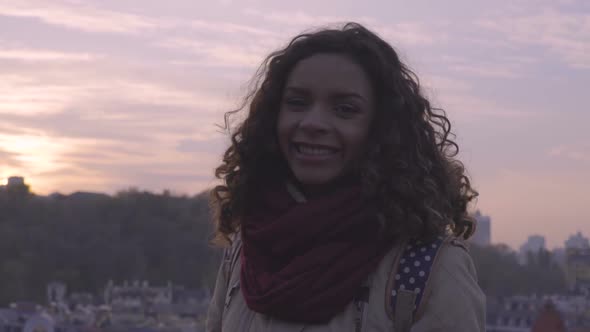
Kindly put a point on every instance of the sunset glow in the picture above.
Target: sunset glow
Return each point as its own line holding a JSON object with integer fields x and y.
{"x": 105, "y": 95}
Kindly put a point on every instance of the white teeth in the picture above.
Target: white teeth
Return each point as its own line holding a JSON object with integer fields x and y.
{"x": 313, "y": 150}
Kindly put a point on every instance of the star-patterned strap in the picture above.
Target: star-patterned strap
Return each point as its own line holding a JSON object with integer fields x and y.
{"x": 411, "y": 275}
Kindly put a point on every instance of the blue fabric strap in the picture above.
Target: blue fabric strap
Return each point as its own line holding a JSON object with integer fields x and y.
{"x": 413, "y": 271}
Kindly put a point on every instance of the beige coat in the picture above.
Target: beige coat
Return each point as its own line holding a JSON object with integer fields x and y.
{"x": 454, "y": 303}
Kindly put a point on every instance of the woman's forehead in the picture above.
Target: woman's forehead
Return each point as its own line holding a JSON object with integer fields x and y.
{"x": 330, "y": 73}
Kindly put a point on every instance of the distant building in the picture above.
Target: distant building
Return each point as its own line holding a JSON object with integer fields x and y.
{"x": 514, "y": 314}
{"x": 536, "y": 313}
{"x": 25, "y": 317}
{"x": 578, "y": 269}
{"x": 15, "y": 181}
{"x": 10, "y": 320}
{"x": 39, "y": 322}
{"x": 161, "y": 309}
{"x": 56, "y": 293}
{"x": 559, "y": 257}
{"x": 533, "y": 245}
{"x": 15, "y": 184}
{"x": 574, "y": 309}
{"x": 577, "y": 262}
{"x": 136, "y": 295}
{"x": 482, "y": 235}
{"x": 577, "y": 241}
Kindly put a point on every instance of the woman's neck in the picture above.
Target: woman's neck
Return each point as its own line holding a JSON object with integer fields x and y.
{"x": 311, "y": 191}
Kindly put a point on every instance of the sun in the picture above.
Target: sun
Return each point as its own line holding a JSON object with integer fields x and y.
{"x": 31, "y": 156}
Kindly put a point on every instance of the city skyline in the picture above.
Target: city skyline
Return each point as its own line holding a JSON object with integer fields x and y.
{"x": 104, "y": 95}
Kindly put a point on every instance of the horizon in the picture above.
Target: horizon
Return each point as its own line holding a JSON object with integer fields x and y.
{"x": 103, "y": 95}
{"x": 4, "y": 182}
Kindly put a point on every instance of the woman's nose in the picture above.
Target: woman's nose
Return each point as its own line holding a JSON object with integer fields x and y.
{"x": 315, "y": 119}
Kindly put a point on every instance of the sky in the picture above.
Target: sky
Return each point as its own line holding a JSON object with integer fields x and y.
{"x": 111, "y": 94}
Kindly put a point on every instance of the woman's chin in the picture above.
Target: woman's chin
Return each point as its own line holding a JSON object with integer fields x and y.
{"x": 314, "y": 185}
{"x": 313, "y": 180}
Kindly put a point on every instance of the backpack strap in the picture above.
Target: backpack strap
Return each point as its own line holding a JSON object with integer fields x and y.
{"x": 361, "y": 300}
{"x": 408, "y": 282}
{"x": 231, "y": 256}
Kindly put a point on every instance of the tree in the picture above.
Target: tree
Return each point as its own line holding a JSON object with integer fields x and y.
{"x": 87, "y": 239}
{"x": 500, "y": 274}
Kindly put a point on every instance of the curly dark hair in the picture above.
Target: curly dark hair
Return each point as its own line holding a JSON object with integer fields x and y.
{"x": 409, "y": 169}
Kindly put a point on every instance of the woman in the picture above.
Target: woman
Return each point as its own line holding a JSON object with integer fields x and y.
{"x": 342, "y": 200}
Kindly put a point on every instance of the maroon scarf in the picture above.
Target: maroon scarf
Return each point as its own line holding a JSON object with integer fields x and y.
{"x": 304, "y": 262}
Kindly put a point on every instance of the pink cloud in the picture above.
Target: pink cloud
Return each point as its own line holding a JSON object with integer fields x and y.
{"x": 482, "y": 70}
{"x": 297, "y": 18}
{"x": 77, "y": 16}
{"x": 567, "y": 35}
{"x": 409, "y": 33}
{"x": 229, "y": 28}
{"x": 413, "y": 33}
{"x": 29, "y": 54}
{"x": 575, "y": 153}
{"x": 218, "y": 53}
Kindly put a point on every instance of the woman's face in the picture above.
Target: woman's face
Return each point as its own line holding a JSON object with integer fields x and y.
{"x": 325, "y": 114}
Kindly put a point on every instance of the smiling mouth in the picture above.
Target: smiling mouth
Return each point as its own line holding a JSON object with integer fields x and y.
{"x": 314, "y": 150}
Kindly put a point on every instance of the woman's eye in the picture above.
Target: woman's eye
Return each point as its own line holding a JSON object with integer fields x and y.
{"x": 296, "y": 102}
{"x": 346, "y": 109}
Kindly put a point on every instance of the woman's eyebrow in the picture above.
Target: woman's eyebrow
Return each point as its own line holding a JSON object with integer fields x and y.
{"x": 296, "y": 89}
{"x": 336, "y": 94}
{"x": 350, "y": 94}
